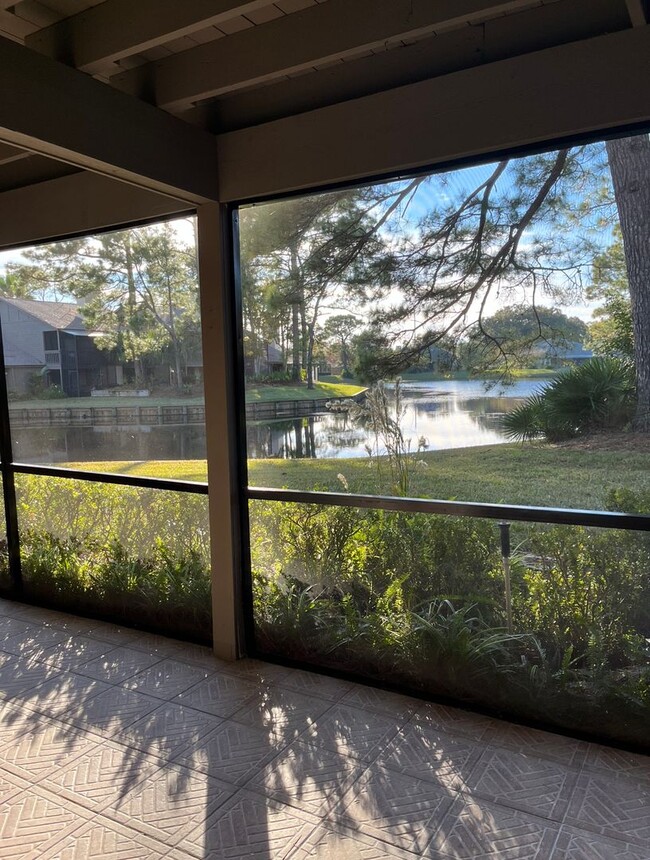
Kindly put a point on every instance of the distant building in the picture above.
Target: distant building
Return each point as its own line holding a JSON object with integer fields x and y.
{"x": 50, "y": 339}
{"x": 571, "y": 352}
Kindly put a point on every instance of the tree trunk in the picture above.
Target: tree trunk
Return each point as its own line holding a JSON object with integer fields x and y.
{"x": 295, "y": 344}
{"x": 137, "y": 363}
{"x": 629, "y": 163}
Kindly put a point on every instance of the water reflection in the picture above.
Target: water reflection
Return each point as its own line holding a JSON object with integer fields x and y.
{"x": 106, "y": 443}
{"x": 453, "y": 414}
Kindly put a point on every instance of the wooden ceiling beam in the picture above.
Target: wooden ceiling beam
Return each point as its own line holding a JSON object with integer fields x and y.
{"x": 52, "y": 110}
{"x": 81, "y": 203}
{"x": 558, "y": 93}
{"x": 498, "y": 39}
{"x": 11, "y": 153}
{"x": 316, "y": 35}
{"x": 93, "y": 39}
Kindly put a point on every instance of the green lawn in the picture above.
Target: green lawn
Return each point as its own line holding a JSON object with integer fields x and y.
{"x": 528, "y": 475}
{"x": 321, "y": 391}
{"x": 104, "y": 402}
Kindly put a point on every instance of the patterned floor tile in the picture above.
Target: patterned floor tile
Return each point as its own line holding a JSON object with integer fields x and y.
{"x": 10, "y": 784}
{"x": 111, "y": 712}
{"x": 575, "y": 844}
{"x": 34, "y": 641}
{"x": 198, "y": 655}
{"x": 117, "y": 665}
{"x": 169, "y": 729}
{"x": 256, "y": 670}
{"x": 431, "y": 755}
{"x": 308, "y": 777}
{"x": 525, "y": 782}
{"x": 282, "y": 712}
{"x": 108, "y": 840}
{"x": 170, "y": 803}
{"x": 569, "y": 751}
{"x": 14, "y": 720}
{"x": 100, "y": 774}
{"x": 163, "y": 645}
{"x": 476, "y": 830}
{"x": 41, "y": 747}
{"x": 8, "y": 607}
{"x": 18, "y": 675}
{"x": 327, "y": 843}
{"x": 221, "y": 695}
{"x": 34, "y": 820}
{"x": 74, "y": 651}
{"x": 106, "y": 632}
{"x": 613, "y": 806}
{"x": 617, "y": 762}
{"x": 392, "y": 704}
{"x": 452, "y": 720}
{"x": 399, "y": 809}
{"x": 352, "y": 732}
{"x": 11, "y": 627}
{"x": 166, "y": 679}
{"x": 313, "y": 684}
{"x": 233, "y": 752}
{"x": 66, "y": 695}
{"x": 252, "y": 827}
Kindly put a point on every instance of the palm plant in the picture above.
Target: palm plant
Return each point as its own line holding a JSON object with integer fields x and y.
{"x": 597, "y": 395}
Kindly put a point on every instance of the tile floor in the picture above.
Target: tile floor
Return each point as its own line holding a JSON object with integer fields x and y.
{"x": 125, "y": 746}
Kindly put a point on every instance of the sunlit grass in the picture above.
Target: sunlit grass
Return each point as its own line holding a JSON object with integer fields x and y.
{"x": 513, "y": 474}
{"x": 320, "y": 391}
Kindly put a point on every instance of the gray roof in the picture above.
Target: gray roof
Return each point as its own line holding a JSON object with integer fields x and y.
{"x": 58, "y": 315}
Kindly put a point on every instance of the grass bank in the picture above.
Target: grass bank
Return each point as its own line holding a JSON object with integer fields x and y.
{"x": 320, "y": 391}
{"x": 515, "y": 474}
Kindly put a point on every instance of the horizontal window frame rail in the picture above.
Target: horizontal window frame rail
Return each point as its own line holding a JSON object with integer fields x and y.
{"x": 198, "y": 487}
{"x": 483, "y": 510}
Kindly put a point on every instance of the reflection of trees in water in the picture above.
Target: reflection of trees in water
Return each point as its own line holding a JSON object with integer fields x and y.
{"x": 285, "y": 440}
{"x": 325, "y": 434}
{"x": 488, "y": 413}
{"x": 108, "y": 442}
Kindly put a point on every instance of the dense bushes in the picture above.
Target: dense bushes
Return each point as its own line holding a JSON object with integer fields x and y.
{"x": 419, "y": 600}
{"x": 136, "y": 555}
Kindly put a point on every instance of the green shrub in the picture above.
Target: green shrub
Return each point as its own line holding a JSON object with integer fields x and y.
{"x": 597, "y": 395}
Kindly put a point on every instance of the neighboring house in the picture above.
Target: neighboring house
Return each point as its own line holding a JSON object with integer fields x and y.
{"x": 268, "y": 359}
{"x": 571, "y": 352}
{"x": 50, "y": 339}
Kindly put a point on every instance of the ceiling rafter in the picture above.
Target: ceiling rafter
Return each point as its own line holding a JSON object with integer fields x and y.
{"x": 97, "y": 37}
{"x": 319, "y": 34}
{"x": 75, "y": 204}
{"x": 8, "y": 154}
{"x": 50, "y": 109}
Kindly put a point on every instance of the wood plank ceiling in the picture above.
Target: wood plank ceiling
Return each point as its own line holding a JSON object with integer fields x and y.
{"x": 229, "y": 64}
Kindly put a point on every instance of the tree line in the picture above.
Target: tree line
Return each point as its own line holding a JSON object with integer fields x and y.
{"x": 477, "y": 263}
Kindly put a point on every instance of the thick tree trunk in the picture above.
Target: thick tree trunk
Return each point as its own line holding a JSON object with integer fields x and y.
{"x": 629, "y": 163}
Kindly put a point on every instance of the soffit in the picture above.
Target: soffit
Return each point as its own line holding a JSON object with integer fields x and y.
{"x": 230, "y": 64}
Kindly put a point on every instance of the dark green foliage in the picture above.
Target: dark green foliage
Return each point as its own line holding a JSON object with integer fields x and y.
{"x": 418, "y": 600}
{"x": 162, "y": 591}
{"x": 137, "y": 556}
{"x": 594, "y": 396}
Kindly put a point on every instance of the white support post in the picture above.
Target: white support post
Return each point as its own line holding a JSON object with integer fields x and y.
{"x": 213, "y": 256}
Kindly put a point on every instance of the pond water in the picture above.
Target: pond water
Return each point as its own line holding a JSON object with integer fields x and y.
{"x": 448, "y": 414}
